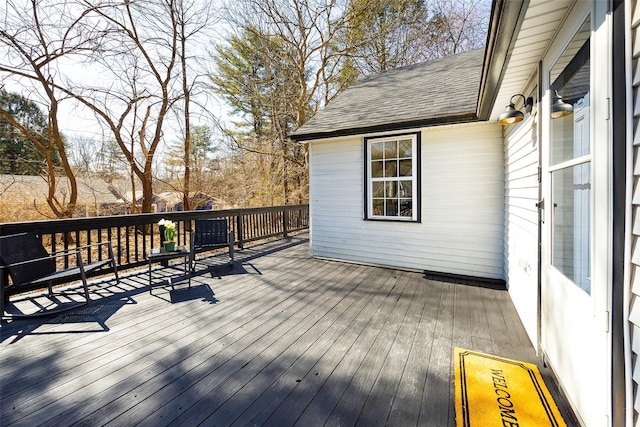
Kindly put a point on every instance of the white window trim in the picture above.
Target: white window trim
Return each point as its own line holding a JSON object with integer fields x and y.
{"x": 415, "y": 177}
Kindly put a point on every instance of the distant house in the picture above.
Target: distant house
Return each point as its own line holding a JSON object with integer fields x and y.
{"x": 202, "y": 201}
{"x": 410, "y": 168}
{"x": 95, "y": 197}
{"x": 171, "y": 201}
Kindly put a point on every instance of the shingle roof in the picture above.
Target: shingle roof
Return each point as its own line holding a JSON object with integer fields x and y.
{"x": 443, "y": 90}
{"x": 30, "y": 189}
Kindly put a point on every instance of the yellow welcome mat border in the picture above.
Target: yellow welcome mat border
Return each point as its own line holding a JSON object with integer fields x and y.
{"x": 495, "y": 391}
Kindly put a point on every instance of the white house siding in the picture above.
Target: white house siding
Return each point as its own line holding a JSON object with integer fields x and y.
{"x": 635, "y": 273}
{"x": 521, "y": 221}
{"x": 461, "y": 231}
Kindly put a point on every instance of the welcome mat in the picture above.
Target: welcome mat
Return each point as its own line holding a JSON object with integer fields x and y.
{"x": 493, "y": 391}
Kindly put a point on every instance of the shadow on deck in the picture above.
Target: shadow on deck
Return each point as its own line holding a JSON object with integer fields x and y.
{"x": 282, "y": 339}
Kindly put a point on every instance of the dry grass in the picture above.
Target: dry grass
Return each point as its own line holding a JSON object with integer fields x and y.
{"x": 21, "y": 212}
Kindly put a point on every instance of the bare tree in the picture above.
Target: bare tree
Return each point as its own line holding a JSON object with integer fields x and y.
{"x": 382, "y": 35}
{"x": 134, "y": 58}
{"x": 191, "y": 20}
{"x": 92, "y": 157}
{"x": 83, "y": 151}
{"x": 286, "y": 59}
{"x": 138, "y": 61}
{"x": 458, "y": 26}
{"x": 308, "y": 29}
{"x": 294, "y": 43}
{"x": 203, "y": 163}
{"x": 34, "y": 38}
{"x": 387, "y": 34}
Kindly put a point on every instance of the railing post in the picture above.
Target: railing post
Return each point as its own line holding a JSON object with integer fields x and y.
{"x": 240, "y": 221}
{"x": 285, "y": 222}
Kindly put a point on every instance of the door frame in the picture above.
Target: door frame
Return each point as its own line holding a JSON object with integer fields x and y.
{"x": 622, "y": 155}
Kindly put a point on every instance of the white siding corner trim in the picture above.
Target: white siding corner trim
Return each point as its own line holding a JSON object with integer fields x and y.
{"x": 634, "y": 315}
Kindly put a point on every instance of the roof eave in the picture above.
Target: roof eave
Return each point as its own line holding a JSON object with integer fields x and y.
{"x": 387, "y": 127}
{"x": 505, "y": 23}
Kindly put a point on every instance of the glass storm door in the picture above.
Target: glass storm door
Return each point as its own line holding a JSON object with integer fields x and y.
{"x": 573, "y": 338}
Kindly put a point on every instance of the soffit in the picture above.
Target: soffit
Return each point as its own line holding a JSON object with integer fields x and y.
{"x": 539, "y": 26}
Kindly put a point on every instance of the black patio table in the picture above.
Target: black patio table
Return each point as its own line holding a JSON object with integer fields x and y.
{"x": 159, "y": 254}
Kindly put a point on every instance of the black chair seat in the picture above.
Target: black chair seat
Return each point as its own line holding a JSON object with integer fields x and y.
{"x": 30, "y": 267}
{"x": 211, "y": 234}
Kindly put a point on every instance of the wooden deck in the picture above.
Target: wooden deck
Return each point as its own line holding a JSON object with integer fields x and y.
{"x": 281, "y": 340}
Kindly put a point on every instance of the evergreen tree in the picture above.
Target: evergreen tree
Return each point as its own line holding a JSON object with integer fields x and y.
{"x": 261, "y": 88}
{"x": 201, "y": 157}
{"x": 19, "y": 155}
{"x": 385, "y": 34}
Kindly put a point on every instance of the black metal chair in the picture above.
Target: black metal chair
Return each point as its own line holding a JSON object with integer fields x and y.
{"x": 31, "y": 267}
{"x": 211, "y": 234}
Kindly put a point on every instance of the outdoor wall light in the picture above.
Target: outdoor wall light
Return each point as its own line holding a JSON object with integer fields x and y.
{"x": 559, "y": 108}
{"x": 511, "y": 115}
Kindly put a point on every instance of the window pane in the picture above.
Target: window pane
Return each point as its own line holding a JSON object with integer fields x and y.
{"x": 405, "y": 168}
{"x": 406, "y": 207}
{"x": 571, "y": 81}
{"x": 570, "y": 134}
{"x": 377, "y": 149}
{"x": 391, "y": 189}
{"x": 405, "y": 189}
{"x": 377, "y": 169}
{"x": 571, "y": 223}
{"x": 390, "y": 150}
{"x": 405, "y": 148}
{"x": 378, "y": 207}
{"x": 377, "y": 189}
{"x": 392, "y": 208}
{"x": 391, "y": 168}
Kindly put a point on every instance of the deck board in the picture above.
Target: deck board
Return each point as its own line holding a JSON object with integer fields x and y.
{"x": 375, "y": 350}
{"x": 436, "y": 398}
{"x": 289, "y": 366}
{"x": 414, "y": 378}
{"x": 380, "y": 399}
{"x": 283, "y": 339}
{"x": 323, "y": 391}
{"x": 211, "y": 365}
{"x": 272, "y": 340}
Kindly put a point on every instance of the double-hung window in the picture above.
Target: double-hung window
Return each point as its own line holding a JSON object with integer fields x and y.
{"x": 392, "y": 177}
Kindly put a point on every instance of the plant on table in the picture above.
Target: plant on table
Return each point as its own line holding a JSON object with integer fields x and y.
{"x": 169, "y": 230}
